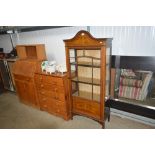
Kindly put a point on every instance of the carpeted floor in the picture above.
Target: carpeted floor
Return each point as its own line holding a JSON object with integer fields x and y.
{"x": 15, "y": 115}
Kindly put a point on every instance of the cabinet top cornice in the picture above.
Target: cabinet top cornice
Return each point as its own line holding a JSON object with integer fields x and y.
{"x": 85, "y": 39}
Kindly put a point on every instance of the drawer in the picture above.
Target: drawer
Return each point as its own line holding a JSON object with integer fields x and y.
{"x": 52, "y": 94}
{"x": 44, "y": 103}
{"x": 49, "y": 79}
{"x": 52, "y": 106}
{"x": 50, "y": 101}
{"x": 50, "y": 87}
{"x": 57, "y": 104}
{"x": 23, "y": 78}
{"x": 53, "y": 80}
{"x": 58, "y": 107}
{"x": 46, "y": 93}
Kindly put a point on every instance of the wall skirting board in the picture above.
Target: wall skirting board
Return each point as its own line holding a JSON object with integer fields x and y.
{"x": 134, "y": 117}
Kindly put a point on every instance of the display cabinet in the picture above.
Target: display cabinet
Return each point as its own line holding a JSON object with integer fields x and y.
{"x": 88, "y": 65}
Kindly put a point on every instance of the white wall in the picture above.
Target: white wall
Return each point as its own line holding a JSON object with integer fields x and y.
{"x": 127, "y": 40}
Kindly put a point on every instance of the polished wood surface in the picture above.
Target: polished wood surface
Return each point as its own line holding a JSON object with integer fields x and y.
{"x": 23, "y": 72}
{"x": 86, "y": 107}
{"x": 31, "y": 51}
{"x": 53, "y": 94}
{"x": 40, "y": 89}
{"x": 82, "y": 100}
{"x": 84, "y": 39}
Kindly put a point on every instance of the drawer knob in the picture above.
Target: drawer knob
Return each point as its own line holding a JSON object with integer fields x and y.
{"x": 42, "y": 86}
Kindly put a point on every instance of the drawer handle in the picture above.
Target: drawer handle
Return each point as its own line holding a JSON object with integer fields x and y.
{"x": 42, "y": 86}
{"x": 41, "y": 78}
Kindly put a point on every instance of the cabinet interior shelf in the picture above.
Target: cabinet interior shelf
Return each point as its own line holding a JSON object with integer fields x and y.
{"x": 86, "y": 80}
{"x": 87, "y": 95}
{"x": 90, "y": 57}
{"x": 86, "y": 64}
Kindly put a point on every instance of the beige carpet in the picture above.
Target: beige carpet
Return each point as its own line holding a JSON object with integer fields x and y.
{"x": 15, "y": 115}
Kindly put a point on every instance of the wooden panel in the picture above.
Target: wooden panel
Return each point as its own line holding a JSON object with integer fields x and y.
{"x": 58, "y": 110}
{"x": 49, "y": 79}
{"x": 24, "y": 67}
{"x": 44, "y": 102}
{"x": 50, "y": 87}
{"x": 41, "y": 54}
{"x": 21, "y": 90}
{"x": 86, "y": 107}
{"x": 21, "y": 52}
{"x": 84, "y": 39}
{"x": 53, "y": 80}
{"x": 26, "y": 92}
{"x": 31, "y": 51}
{"x": 52, "y": 94}
{"x": 21, "y": 77}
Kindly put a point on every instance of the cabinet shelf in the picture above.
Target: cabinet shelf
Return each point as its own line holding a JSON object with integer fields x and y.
{"x": 87, "y": 95}
{"x": 86, "y": 80}
{"x": 86, "y": 64}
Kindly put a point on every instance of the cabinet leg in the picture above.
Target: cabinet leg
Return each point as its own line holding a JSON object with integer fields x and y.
{"x": 71, "y": 116}
{"x": 109, "y": 115}
{"x": 109, "y": 118}
{"x": 103, "y": 125}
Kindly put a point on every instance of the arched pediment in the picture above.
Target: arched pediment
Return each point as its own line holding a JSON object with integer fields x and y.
{"x": 84, "y": 39}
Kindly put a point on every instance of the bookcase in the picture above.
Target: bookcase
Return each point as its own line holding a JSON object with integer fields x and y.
{"x": 88, "y": 66}
{"x": 31, "y": 51}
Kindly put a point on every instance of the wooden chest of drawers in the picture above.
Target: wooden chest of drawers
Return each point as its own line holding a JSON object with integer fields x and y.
{"x": 53, "y": 94}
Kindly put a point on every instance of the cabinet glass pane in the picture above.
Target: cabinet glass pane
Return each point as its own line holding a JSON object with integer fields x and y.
{"x": 85, "y": 73}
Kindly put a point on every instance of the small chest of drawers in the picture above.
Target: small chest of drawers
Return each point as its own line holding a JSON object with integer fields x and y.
{"x": 53, "y": 94}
